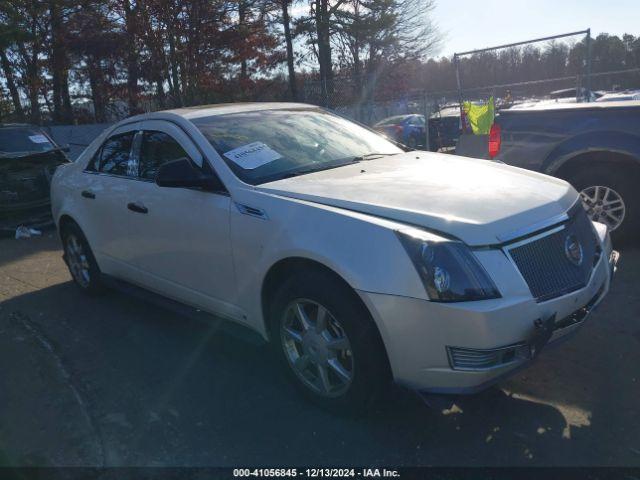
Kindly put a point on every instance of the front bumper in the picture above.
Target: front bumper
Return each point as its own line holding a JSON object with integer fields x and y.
{"x": 419, "y": 334}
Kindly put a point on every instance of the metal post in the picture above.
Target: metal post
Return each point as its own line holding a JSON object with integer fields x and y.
{"x": 456, "y": 61}
{"x": 578, "y": 85}
{"x": 427, "y": 115}
{"x": 588, "y": 79}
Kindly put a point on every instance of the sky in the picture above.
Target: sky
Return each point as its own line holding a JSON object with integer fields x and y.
{"x": 471, "y": 24}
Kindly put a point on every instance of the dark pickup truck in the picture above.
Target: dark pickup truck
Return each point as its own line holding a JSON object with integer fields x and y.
{"x": 594, "y": 146}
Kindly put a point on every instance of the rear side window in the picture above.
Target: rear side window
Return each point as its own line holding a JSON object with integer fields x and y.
{"x": 113, "y": 157}
{"x": 157, "y": 148}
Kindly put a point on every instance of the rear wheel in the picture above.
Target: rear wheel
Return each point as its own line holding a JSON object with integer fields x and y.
{"x": 604, "y": 204}
{"x": 327, "y": 342}
{"x": 610, "y": 198}
{"x": 80, "y": 260}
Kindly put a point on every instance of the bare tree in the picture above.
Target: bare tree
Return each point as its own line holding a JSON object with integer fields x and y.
{"x": 288, "y": 38}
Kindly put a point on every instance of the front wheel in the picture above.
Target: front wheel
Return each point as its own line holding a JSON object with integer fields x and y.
{"x": 327, "y": 342}
{"x": 317, "y": 348}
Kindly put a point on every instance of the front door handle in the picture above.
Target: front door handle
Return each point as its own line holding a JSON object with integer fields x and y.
{"x": 88, "y": 194}
{"x": 136, "y": 207}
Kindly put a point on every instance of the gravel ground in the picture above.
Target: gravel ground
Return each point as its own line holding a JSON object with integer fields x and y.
{"x": 115, "y": 381}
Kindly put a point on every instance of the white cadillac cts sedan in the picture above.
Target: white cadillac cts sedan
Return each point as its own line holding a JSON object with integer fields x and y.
{"x": 359, "y": 261}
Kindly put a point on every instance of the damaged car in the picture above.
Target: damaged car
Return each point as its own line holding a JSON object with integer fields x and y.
{"x": 28, "y": 159}
{"x": 360, "y": 262}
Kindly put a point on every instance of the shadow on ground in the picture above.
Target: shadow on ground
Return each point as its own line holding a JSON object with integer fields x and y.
{"x": 14, "y": 250}
{"x": 112, "y": 380}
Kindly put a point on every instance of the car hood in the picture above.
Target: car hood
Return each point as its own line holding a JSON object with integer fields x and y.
{"x": 478, "y": 201}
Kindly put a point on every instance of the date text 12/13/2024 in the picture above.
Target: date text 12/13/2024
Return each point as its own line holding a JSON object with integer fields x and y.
{"x": 316, "y": 472}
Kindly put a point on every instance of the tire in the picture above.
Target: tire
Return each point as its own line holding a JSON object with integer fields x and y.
{"x": 590, "y": 182}
{"x": 79, "y": 258}
{"x": 362, "y": 357}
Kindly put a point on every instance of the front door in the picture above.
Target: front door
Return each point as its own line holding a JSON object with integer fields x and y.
{"x": 103, "y": 191}
{"x": 179, "y": 237}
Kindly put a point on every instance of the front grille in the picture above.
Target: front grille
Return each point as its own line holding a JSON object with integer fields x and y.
{"x": 546, "y": 265}
{"x": 479, "y": 359}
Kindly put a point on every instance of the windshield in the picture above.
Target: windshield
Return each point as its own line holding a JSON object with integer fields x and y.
{"x": 23, "y": 140}
{"x": 268, "y": 145}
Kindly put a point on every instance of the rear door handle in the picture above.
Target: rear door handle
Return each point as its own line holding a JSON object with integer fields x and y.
{"x": 135, "y": 207}
{"x": 88, "y": 194}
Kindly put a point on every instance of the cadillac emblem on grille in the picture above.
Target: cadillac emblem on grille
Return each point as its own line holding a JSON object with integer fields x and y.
{"x": 573, "y": 250}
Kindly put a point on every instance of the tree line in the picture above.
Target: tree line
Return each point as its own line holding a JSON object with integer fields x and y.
{"x": 135, "y": 55}
{"x": 65, "y": 61}
{"x": 533, "y": 70}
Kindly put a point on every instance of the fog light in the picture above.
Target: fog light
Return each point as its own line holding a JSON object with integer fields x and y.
{"x": 477, "y": 359}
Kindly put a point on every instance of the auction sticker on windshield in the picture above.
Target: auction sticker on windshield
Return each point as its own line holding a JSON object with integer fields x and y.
{"x": 252, "y": 155}
{"x": 38, "y": 139}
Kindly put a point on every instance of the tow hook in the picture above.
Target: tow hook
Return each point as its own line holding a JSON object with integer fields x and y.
{"x": 543, "y": 330}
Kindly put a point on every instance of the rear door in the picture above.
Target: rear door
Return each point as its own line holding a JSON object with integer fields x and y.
{"x": 180, "y": 239}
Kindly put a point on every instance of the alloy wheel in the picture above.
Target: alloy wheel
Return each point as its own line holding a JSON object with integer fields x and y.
{"x": 77, "y": 261}
{"x": 317, "y": 348}
{"x": 604, "y": 204}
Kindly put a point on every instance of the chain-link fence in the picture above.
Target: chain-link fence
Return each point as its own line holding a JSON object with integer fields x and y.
{"x": 368, "y": 104}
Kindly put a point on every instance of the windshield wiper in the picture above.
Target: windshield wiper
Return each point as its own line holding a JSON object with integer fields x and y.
{"x": 372, "y": 156}
{"x": 297, "y": 173}
{"x": 350, "y": 161}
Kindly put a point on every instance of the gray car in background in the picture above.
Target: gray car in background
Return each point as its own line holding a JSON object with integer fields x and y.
{"x": 595, "y": 146}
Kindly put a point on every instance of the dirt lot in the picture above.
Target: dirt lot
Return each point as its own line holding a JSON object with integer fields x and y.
{"x": 113, "y": 380}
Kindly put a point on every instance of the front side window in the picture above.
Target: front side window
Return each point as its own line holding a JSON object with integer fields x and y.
{"x": 157, "y": 148}
{"x": 113, "y": 157}
{"x": 267, "y": 145}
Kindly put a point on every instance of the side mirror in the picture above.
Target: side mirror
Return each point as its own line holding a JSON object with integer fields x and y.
{"x": 65, "y": 148}
{"x": 181, "y": 173}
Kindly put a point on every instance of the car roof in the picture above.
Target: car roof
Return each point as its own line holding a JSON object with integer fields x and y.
{"x": 397, "y": 117}
{"x": 202, "y": 111}
{"x": 453, "y": 111}
{"x": 225, "y": 108}
{"x": 609, "y": 97}
{"x": 574, "y": 106}
{"x": 17, "y": 125}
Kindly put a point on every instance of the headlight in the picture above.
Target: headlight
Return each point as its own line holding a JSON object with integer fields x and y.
{"x": 449, "y": 270}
